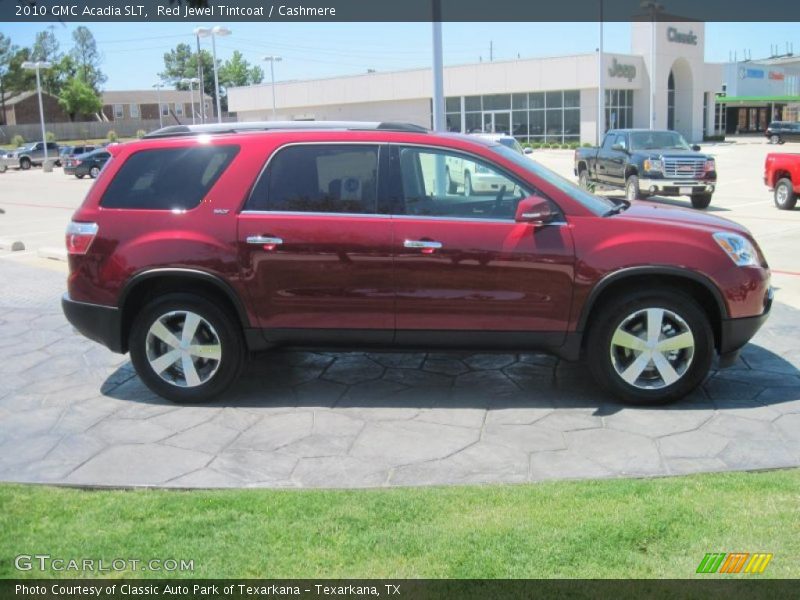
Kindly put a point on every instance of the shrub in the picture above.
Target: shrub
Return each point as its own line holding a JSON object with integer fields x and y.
{"x": 586, "y": 145}
{"x": 140, "y": 133}
{"x": 49, "y": 136}
{"x": 111, "y": 136}
{"x": 17, "y": 140}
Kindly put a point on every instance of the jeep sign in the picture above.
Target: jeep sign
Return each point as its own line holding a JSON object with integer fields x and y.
{"x": 618, "y": 69}
{"x": 673, "y": 35}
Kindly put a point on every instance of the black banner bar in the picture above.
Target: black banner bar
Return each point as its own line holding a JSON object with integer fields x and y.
{"x": 406, "y": 589}
{"x": 392, "y": 10}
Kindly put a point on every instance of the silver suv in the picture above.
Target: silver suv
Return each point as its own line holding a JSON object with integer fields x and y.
{"x": 30, "y": 155}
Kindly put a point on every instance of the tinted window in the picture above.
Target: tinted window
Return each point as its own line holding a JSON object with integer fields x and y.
{"x": 609, "y": 141}
{"x": 167, "y": 178}
{"x": 324, "y": 178}
{"x": 426, "y": 182}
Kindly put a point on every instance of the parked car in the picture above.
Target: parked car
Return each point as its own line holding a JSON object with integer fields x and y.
{"x": 647, "y": 162}
{"x": 507, "y": 140}
{"x": 780, "y": 132}
{"x": 782, "y": 176}
{"x": 31, "y": 155}
{"x": 67, "y": 151}
{"x": 89, "y": 164}
{"x": 198, "y": 244}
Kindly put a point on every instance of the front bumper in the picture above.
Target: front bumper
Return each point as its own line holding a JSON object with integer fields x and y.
{"x": 101, "y": 324}
{"x": 676, "y": 187}
{"x": 735, "y": 333}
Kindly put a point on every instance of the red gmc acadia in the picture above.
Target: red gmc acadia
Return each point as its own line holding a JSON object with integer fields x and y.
{"x": 198, "y": 244}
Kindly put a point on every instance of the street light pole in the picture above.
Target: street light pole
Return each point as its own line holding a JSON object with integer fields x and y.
{"x": 191, "y": 83}
{"x": 160, "y": 114}
{"x": 601, "y": 91}
{"x": 272, "y": 60}
{"x": 213, "y": 32}
{"x": 37, "y": 66}
{"x": 201, "y": 84}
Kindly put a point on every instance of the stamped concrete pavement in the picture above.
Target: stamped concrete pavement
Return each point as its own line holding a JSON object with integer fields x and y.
{"x": 73, "y": 412}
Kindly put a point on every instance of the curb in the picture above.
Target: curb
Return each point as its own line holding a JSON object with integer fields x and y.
{"x": 52, "y": 253}
{"x": 14, "y": 246}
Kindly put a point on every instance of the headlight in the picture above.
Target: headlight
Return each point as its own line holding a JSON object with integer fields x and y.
{"x": 710, "y": 165}
{"x": 653, "y": 165}
{"x": 739, "y": 248}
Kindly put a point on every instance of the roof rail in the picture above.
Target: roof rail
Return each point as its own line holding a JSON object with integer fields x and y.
{"x": 221, "y": 128}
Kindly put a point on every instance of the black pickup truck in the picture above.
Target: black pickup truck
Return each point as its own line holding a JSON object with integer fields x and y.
{"x": 647, "y": 162}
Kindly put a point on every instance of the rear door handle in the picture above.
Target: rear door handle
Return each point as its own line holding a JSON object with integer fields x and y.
{"x": 422, "y": 244}
{"x": 262, "y": 239}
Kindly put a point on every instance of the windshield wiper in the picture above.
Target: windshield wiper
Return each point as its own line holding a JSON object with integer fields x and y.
{"x": 624, "y": 205}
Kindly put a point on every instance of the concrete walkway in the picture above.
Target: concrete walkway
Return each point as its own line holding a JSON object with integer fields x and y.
{"x": 72, "y": 412}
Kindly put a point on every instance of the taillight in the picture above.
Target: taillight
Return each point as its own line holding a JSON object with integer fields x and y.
{"x": 80, "y": 237}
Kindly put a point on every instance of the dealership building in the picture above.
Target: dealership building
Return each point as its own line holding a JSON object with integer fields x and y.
{"x": 555, "y": 99}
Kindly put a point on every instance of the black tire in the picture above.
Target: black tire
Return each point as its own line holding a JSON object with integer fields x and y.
{"x": 94, "y": 172}
{"x": 774, "y": 139}
{"x": 632, "y": 191}
{"x": 614, "y": 312}
{"x": 452, "y": 186}
{"x": 701, "y": 201}
{"x": 468, "y": 191}
{"x": 79, "y": 176}
{"x": 583, "y": 179}
{"x": 785, "y": 196}
{"x": 25, "y": 163}
{"x": 228, "y": 332}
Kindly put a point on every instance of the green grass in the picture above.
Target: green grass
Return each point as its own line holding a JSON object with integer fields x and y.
{"x": 608, "y": 528}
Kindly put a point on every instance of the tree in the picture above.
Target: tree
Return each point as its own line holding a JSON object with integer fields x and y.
{"x": 87, "y": 58}
{"x": 16, "y": 78}
{"x": 78, "y": 97}
{"x": 181, "y": 63}
{"x": 6, "y": 52}
{"x": 46, "y": 48}
{"x": 237, "y": 72}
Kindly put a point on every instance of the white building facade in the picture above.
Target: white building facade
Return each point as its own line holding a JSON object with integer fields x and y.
{"x": 543, "y": 99}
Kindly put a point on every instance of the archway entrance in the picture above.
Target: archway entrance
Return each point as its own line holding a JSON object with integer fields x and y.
{"x": 679, "y": 98}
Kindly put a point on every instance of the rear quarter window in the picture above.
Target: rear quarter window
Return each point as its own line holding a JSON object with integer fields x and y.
{"x": 167, "y": 178}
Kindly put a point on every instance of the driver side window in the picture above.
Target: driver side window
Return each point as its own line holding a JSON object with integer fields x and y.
{"x": 444, "y": 184}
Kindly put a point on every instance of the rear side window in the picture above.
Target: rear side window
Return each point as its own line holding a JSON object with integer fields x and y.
{"x": 167, "y": 178}
{"x": 319, "y": 178}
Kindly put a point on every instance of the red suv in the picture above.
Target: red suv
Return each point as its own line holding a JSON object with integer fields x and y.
{"x": 198, "y": 244}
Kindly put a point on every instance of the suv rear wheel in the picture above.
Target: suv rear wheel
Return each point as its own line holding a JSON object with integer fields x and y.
{"x": 650, "y": 347}
{"x": 185, "y": 348}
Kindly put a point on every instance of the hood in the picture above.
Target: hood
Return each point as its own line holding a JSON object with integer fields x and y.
{"x": 641, "y": 211}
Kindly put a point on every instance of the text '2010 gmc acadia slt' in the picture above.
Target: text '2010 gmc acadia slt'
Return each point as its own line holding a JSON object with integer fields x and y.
{"x": 198, "y": 244}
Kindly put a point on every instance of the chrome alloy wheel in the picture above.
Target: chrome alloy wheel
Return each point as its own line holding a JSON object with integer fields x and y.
{"x": 782, "y": 193}
{"x": 183, "y": 348}
{"x": 652, "y": 348}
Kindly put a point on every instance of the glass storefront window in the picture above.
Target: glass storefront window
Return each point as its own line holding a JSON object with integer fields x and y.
{"x": 497, "y": 102}
{"x": 519, "y": 101}
{"x": 554, "y": 99}
{"x": 572, "y": 99}
{"x": 519, "y": 123}
{"x": 473, "y": 122}
{"x": 536, "y": 122}
{"x": 536, "y": 100}
{"x": 572, "y": 122}
{"x": 472, "y": 103}
{"x": 452, "y": 104}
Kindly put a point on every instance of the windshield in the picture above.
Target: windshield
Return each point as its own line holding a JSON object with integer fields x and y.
{"x": 599, "y": 206}
{"x": 658, "y": 140}
{"x": 510, "y": 142}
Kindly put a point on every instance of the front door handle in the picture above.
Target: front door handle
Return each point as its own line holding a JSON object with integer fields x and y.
{"x": 422, "y": 244}
{"x": 263, "y": 239}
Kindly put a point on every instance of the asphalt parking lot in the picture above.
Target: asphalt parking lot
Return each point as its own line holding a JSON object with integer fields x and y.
{"x": 72, "y": 412}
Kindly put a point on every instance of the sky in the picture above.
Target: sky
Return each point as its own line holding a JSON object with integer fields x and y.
{"x": 133, "y": 52}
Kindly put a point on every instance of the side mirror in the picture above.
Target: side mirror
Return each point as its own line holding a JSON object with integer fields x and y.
{"x": 618, "y": 147}
{"x": 696, "y": 148}
{"x": 535, "y": 210}
{"x": 528, "y": 151}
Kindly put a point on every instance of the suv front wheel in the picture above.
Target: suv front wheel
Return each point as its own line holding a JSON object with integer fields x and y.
{"x": 185, "y": 348}
{"x": 650, "y": 347}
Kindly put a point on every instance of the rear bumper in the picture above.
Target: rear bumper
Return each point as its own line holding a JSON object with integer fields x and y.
{"x": 101, "y": 324}
{"x": 670, "y": 187}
